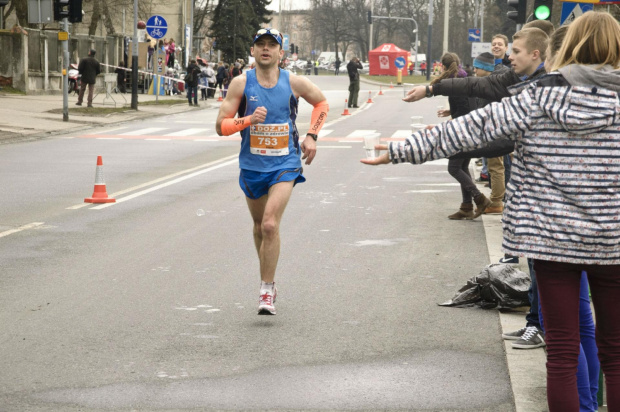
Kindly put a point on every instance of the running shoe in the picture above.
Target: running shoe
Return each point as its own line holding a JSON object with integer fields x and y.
{"x": 266, "y": 301}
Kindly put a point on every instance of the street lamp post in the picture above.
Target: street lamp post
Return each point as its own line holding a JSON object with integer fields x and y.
{"x": 134, "y": 59}
{"x": 415, "y": 62}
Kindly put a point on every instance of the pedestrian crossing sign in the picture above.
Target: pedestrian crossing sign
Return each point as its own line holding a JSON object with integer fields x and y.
{"x": 570, "y": 11}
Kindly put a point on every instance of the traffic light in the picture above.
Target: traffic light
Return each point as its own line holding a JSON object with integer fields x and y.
{"x": 291, "y": 48}
{"x": 519, "y": 15}
{"x": 542, "y": 9}
{"x": 75, "y": 11}
{"x": 61, "y": 9}
{"x": 296, "y": 49}
{"x": 369, "y": 17}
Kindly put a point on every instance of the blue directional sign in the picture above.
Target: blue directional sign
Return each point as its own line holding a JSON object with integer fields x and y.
{"x": 570, "y": 11}
{"x": 156, "y": 27}
{"x": 474, "y": 35}
{"x": 285, "y": 42}
{"x": 400, "y": 62}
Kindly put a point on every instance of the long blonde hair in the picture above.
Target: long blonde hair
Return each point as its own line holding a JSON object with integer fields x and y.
{"x": 593, "y": 38}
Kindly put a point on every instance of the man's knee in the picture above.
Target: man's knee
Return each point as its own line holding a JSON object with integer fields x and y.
{"x": 269, "y": 228}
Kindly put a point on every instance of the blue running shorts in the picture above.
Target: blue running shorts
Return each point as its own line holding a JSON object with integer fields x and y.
{"x": 257, "y": 184}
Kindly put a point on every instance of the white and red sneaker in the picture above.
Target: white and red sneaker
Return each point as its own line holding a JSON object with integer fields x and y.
{"x": 266, "y": 301}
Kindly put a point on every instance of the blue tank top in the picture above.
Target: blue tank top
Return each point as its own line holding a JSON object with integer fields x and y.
{"x": 274, "y": 144}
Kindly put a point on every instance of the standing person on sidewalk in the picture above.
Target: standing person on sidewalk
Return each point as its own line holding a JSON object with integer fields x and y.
{"x": 120, "y": 77}
{"x": 191, "y": 82}
{"x": 561, "y": 212}
{"x": 354, "y": 80}
{"x": 270, "y": 163}
{"x": 459, "y": 167}
{"x": 89, "y": 68}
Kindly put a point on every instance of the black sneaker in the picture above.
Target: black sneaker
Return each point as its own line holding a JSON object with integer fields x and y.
{"x": 516, "y": 335}
{"x": 513, "y": 260}
{"x": 531, "y": 339}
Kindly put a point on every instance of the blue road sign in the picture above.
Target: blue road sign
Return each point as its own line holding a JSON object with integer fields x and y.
{"x": 156, "y": 27}
{"x": 570, "y": 11}
{"x": 400, "y": 62}
{"x": 285, "y": 42}
{"x": 474, "y": 35}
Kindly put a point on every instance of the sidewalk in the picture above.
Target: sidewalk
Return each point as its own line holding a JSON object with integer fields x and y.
{"x": 37, "y": 116}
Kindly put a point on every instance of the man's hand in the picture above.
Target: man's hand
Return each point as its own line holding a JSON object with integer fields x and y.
{"x": 259, "y": 115}
{"x": 415, "y": 94}
{"x": 443, "y": 113}
{"x": 381, "y": 160}
{"x": 308, "y": 147}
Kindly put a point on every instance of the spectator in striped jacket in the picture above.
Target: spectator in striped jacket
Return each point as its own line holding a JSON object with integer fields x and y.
{"x": 563, "y": 207}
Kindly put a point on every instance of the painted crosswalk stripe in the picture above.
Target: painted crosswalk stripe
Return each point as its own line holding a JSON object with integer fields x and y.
{"x": 186, "y": 132}
{"x": 323, "y": 133}
{"x": 147, "y": 131}
{"x": 399, "y": 134}
{"x": 360, "y": 133}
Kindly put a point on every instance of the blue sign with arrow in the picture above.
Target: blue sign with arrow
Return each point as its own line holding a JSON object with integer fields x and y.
{"x": 156, "y": 27}
{"x": 474, "y": 35}
{"x": 400, "y": 62}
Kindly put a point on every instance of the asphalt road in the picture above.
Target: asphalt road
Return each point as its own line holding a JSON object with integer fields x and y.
{"x": 150, "y": 303}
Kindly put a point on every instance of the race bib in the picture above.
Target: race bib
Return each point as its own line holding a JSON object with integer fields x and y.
{"x": 269, "y": 139}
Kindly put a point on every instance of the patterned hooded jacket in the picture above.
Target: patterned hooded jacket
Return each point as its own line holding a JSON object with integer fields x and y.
{"x": 563, "y": 200}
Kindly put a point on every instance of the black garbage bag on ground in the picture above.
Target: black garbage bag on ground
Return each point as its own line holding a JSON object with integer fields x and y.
{"x": 497, "y": 285}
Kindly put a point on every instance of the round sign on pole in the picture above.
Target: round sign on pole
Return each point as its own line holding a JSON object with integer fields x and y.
{"x": 400, "y": 62}
{"x": 156, "y": 27}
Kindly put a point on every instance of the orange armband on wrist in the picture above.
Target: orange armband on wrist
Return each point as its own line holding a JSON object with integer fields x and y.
{"x": 318, "y": 117}
{"x": 232, "y": 126}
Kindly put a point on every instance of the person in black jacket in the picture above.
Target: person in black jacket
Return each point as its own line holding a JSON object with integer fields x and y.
{"x": 89, "y": 68}
{"x": 527, "y": 64}
{"x": 191, "y": 82}
{"x": 120, "y": 77}
{"x": 354, "y": 80}
{"x": 459, "y": 168}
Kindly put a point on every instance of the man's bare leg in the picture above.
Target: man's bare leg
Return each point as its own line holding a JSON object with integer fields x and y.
{"x": 267, "y": 213}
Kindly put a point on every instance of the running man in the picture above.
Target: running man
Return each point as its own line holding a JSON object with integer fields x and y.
{"x": 265, "y": 99}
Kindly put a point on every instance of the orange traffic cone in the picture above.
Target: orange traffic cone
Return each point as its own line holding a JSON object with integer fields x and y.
{"x": 219, "y": 99}
{"x": 100, "y": 195}
{"x": 391, "y": 85}
{"x": 346, "y": 110}
{"x": 380, "y": 91}
{"x": 369, "y": 98}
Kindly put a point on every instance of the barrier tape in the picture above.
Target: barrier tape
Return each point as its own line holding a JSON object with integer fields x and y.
{"x": 161, "y": 75}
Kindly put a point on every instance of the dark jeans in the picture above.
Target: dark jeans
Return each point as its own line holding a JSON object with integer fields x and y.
{"x": 192, "y": 91}
{"x": 459, "y": 169}
{"x": 532, "y": 317}
{"x": 559, "y": 287}
{"x": 354, "y": 90}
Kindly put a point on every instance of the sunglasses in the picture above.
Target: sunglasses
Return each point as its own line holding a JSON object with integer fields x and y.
{"x": 262, "y": 32}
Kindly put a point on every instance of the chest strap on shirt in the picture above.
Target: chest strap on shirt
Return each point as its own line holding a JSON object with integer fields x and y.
{"x": 318, "y": 117}
{"x": 231, "y": 126}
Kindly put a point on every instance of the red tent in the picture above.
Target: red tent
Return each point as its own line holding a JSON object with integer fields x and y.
{"x": 381, "y": 60}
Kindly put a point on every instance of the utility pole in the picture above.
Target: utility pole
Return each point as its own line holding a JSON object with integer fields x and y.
{"x": 65, "y": 76}
{"x": 429, "y": 64}
{"x": 446, "y": 18}
{"x": 134, "y": 59}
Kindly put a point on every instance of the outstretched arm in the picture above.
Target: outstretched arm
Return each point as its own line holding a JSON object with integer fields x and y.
{"x": 505, "y": 119}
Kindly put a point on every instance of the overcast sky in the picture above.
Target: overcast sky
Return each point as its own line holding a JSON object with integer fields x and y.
{"x": 289, "y": 4}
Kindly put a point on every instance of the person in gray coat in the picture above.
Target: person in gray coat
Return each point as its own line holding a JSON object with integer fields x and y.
{"x": 89, "y": 68}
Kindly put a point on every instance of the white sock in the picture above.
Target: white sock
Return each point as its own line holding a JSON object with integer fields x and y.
{"x": 267, "y": 286}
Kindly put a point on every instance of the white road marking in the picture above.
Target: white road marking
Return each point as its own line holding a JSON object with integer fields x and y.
{"x": 109, "y": 138}
{"x": 360, "y": 133}
{"x": 206, "y": 140}
{"x": 21, "y": 228}
{"x": 186, "y": 132}
{"x": 400, "y": 134}
{"x": 157, "y": 140}
{"x": 161, "y": 179}
{"x": 334, "y": 147}
{"x": 323, "y": 133}
{"x": 161, "y": 186}
{"x": 141, "y": 132}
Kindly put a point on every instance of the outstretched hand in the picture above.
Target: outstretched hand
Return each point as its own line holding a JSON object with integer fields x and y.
{"x": 381, "y": 160}
{"x": 308, "y": 147}
{"x": 415, "y": 94}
